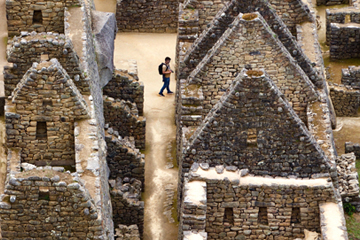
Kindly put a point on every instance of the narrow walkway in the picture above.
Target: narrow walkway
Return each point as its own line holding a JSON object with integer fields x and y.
{"x": 3, "y": 43}
{"x": 149, "y": 50}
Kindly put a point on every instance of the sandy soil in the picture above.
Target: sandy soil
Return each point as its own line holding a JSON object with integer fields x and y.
{"x": 105, "y": 5}
{"x": 150, "y": 50}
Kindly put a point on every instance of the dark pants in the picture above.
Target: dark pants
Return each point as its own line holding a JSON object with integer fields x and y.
{"x": 166, "y": 85}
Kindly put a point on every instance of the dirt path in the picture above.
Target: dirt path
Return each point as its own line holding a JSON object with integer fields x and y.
{"x": 150, "y": 50}
{"x": 3, "y": 42}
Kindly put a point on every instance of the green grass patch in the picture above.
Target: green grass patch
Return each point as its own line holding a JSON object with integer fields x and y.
{"x": 353, "y": 226}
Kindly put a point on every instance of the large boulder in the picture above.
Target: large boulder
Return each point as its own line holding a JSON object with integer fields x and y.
{"x": 105, "y": 29}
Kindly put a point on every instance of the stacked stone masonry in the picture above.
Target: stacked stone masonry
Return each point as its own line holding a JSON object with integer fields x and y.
{"x": 34, "y": 15}
{"x": 52, "y": 206}
{"x": 231, "y": 205}
{"x": 218, "y": 68}
{"x": 351, "y": 76}
{"x": 126, "y": 86}
{"x": 343, "y": 16}
{"x": 40, "y": 117}
{"x": 123, "y": 117}
{"x": 123, "y": 159}
{"x": 345, "y": 100}
{"x": 147, "y": 16}
{"x": 34, "y": 47}
{"x": 127, "y": 207}
{"x": 348, "y": 176}
{"x": 351, "y": 147}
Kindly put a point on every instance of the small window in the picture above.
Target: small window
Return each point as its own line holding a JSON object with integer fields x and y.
{"x": 47, "y": 103}
{"x": 37, "y": 17}
{"x": 44, "y": 193}
{"x": 347, "y": 18}
{"x": 251, "y": 138}
{"x": 41, "y": 131}
{"x": 295, "y": 215}
{"x": 229, "y": 216}
{"x": 263, "y": 216}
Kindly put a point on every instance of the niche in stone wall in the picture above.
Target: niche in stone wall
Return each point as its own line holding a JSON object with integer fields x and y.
{"x": 263, "y": 216}
{"x": 44, "y": 193}
{"x": 251, "y": 141}
{"x": 295, "y": 215}
{"x": 37, "y": 17}
{"x": 41, "y": 131}
{"x": 229, "y": 216}
{"x": 47, "y": 103}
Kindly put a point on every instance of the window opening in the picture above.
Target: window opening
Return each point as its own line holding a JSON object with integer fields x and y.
{"x": 37, "y": 17}
{"x": 295, "y": 215}
{"x": 44, "y": 193}
{"x": 251, "y": 138}
{"x": 41, "y": 131}
{"x": 347, "y": 18}
{"x": 47, "y": 103}
{"x": 229, "y": 216}
{"x": 263, "y": 216}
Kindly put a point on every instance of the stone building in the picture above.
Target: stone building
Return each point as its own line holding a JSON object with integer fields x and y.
{"x": 254, "y": 119}
{"x": 66, "y": 176}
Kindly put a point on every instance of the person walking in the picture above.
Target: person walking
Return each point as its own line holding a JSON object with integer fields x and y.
{"x": 166, "y": 71}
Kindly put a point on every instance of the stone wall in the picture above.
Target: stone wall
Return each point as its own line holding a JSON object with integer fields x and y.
{"x": 123, "y": 117}
{"x": 292, "y": 12}
{"x": 127, "y": 207}
{"x": 345, "y": 100}
{"x": 34, "y": 15}
{"x": 147, "y": 16}
{"x": 219, "y": 67}
{"x": 254, "y": 127}
{"x": 222, "y": 21}
{"x": 124, "y": 232}
{"x": 344, "y": 40}
{"x": 228, "y": 204}
{"x": 126, "y": 86}
{"x": 33, "y": 47}
{"x": 351, "y": 76}
{"x": 342, "y": 15}
{"x": 347, "y": 175}
{"x": 123, "y": 159}
{"x": 48, "y": 205}
{"x": 353, "y": 147}
{"x": 40, "y": 117}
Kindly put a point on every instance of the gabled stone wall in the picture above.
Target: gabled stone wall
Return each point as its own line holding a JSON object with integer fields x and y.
{"x": 46, "y": 95}
{"x": 20, "y": 15}
{"x": 222, "y": 21}
{"x": 123, "y": 117}
{"x": 147, "y": 16}
{"x": 126, "y": 86}
{"x": 257, "y": 48}
{"x": 123, "y": 159}
{"x": 30, "y": 47}
{"x": 254, "y": 108}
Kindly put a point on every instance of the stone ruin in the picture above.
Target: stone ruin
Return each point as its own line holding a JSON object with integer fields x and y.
{"x": 256, "y": 154}
{"x": 254, "y": 116}
{"x": 74, "y": 127}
